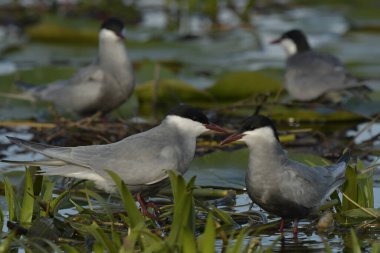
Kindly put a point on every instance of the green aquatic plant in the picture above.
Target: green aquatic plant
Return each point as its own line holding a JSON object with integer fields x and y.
{"x": 36, "y": 223}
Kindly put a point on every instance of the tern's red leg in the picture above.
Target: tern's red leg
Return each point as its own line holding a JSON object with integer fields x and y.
{"x": 282, "y": 225}
{"x": 295, "y": 228}
{"x": 155, "y": 208}
{"x": 144, "y": 205}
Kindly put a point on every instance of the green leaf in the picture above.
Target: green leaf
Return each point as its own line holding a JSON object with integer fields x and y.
{"x": 69, "y": 249}
{"x": 10, "y": 199}
{"x": 26, "y": 212}
{"x": 350, "y": 188}
{"x": 183, "y": 213}
{"x": 365, "y": 186}
{"x": 361, "y": 214}
{"x": 6, "y": 242}
{"x": 189, "y": 244}
{"x": 133, "y": 236}
{"x": 1, "y": 218}
{"x": 234, "y": 86}
{"x": 135, "y": 217}
{"x": 355, "y": 242}
{"x": 303, "y": 113}
{"x": 207, "y": 239}
{"x": 47, "y": 196}
{"x": 223, "y": 216}
{"x": 54, "y": 204}
{"x": 238, "y": 244}
{"x": 101, "y": 238}
{"x": 153, "y": 243}
{"x": 375, "y": 247}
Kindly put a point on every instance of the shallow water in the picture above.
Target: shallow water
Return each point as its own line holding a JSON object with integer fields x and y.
{"x": 234, "y": 49}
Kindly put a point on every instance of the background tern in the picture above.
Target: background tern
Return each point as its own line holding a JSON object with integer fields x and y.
{"x": 310, "y": 74}
{"x": 100, "y": 87}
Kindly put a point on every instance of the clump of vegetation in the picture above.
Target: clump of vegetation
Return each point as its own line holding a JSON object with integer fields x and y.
{"x": 37, "y": 221}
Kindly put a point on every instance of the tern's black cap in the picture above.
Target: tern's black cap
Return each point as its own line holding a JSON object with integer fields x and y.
{"x": 258, "y": 121}
{"x": 186, "y": 111}
{"x": 299, "y": 39}
{"x": 113, "y": 24}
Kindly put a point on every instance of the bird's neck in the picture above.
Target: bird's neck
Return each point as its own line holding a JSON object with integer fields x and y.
{"x": 184, "y": 141}
{"x": 113, "y": 55}
{"x": 303, "y": 45}
{"x": 113, "y": 58}
{"x": 265, "y": 154}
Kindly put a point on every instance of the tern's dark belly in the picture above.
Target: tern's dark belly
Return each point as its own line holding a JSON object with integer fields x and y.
{"x": 279, "y": 206}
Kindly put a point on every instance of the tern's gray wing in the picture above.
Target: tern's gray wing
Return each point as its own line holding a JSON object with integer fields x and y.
{"x": 310, "y": 186}
{"x": 83, "y": 93}
{"x": 310, "y": 74}
{"x": 141, "y": 159}
{"x": 91, "y": 73}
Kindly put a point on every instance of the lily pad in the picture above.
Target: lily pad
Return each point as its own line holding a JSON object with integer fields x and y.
{"x": 169, "y": 92}
{"x": 239, "y": 85}
{"x": 147, "y": 69}
{"x": 365, "y": 107}
{"x": 64, "y": 30}
{"x": 305, "y": 114}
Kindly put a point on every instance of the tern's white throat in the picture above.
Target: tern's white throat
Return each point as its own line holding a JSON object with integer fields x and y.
{"x": 289, "y": 46}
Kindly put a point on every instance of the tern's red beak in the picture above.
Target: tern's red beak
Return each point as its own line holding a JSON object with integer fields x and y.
{"x": 276, "y": 41}
{"x": 216, "y": 128}
{"x": 232, "y": 138}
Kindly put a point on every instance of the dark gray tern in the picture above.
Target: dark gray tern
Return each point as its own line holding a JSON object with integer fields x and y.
{"x": 310, "y": 74}
{"x": 100, "y": 87}
{"x": 281, "y": 186}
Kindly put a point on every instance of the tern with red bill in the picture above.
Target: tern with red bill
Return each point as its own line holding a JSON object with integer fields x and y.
{"x": 279, "y": 185}
{"x": 100, "y": 87}
{"x": 141, "y": 160}
{"x": 310, "y": 74}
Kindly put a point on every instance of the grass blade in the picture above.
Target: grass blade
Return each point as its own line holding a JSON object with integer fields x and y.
{"x": 207, "y": 239}
{"x": 135, "y": 217}
{"x": 69, "y": 249}
{"x": 189, "y": 244}
{"x": 6, "y": 242}
{"x": 10, "y": 199}
{"x": 183, "y": 213}
{"x": 237, "y": 246}
{"x": 355, "y": 242}
{"x": 101, "y": 238}
{"x": 375, "y": 247}
{"x": 26, "y": 211}
{"x": 350, "y": 188}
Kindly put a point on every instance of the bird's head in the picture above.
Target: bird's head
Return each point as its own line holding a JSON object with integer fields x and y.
{"x": 253, "y": 127}
{"x": 293, "y": 41}
{"x": 192, "y": 120}
{"x": 112, "y": 29}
